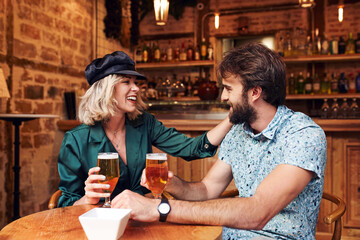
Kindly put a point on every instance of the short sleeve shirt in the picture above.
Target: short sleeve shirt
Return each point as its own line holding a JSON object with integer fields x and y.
{"x": 290, "y": 138}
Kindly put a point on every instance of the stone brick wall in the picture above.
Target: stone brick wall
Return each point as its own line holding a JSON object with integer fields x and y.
{"x": 44, "y": 48}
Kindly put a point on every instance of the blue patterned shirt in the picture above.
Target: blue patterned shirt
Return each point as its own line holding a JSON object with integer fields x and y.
{"x": 290, "y": 138}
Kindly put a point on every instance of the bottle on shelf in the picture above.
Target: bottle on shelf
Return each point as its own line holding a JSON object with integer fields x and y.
{"x": 325, "y": 109}
{"x": 354, "y": 109}
{"x": 288, "y": 45}
{"x": 334, "y": 46}
{"x": 183, "y": 55}
{"x": 357, "y": 44}
{"x": 280, "y": 46}
{"x": 334, "y": 84}
{"x": 325, "y": 85}
{"x": 325, "y": 46}
{"x": 138, "y": 54}
{"x": 145, "y": 53}
{"x": 316, "y": 87}
{"x": 309, "y": 46}
{"x": 308, "y": 84}
{"x": 334, "y": 109}
{"x": 197, "y": 53}
{"x": 350, "y": 44}
{"x": 177, "y": 54}
{"x": 302, "y": 42}
{"x": 169, "y": 52}
{"x": 352, "y": 83}
{"x": 203, "y": 51}
{"x": 164, "y": 55}
{"x": 317, "y": 42}
{"x": 157, "y": 53}
{"x": 342, "y": 45}
{"x": 344, "y": 109}
{"x": 292, "y": 84}
{"x": 210, "y": 52}
{"x": 295, "y": 42}
{"x": 357, "y": 82}
{"x": 343, "y": 84}
{"x": 300, "y": 84}
{"x": 190, "y": 51}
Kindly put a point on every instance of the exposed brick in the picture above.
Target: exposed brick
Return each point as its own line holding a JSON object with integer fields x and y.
{"x": 70, "y": 43}
{"x": 43, "y": 19}
{"x": 63, "y": 26}
{"x": 26, "y": 77}
{"x": 44, "y": 108}
{"x": 26, "y": 141}
{"x": 51, "y": 38}
{"x": 34, "y": 92}
{"x": 67, "y": 58}
{"x": 42, "y": 139}
{"x": 31, "y": 126}
{"x": 49, "y": 54}
{"x": 2, "y": 25}
{"x": 40, "y": 78}
{"x": 23, "y": 106}
{"x": 24, "y": 12}
{"x": 50, "y": 125}
{"x": 53, "y": 92}
{"x": 30, "y": 31}
{"x": 23, "y": 49}
{"x": 53, "y": 81}
{"x": 80, "y": 34}
{"x": 38, "y": 3}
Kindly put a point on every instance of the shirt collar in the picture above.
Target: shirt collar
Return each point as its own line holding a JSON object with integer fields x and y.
{"x": 269, "y": 131}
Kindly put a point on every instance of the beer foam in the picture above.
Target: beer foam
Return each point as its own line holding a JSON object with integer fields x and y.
{"x": 110, "y": 155}
{"x": 156, "y": 156}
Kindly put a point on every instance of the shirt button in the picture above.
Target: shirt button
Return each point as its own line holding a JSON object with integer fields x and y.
{"x": 206, "y": 146}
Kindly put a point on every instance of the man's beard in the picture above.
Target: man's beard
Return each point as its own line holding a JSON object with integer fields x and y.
{"x": 243, "y": 113}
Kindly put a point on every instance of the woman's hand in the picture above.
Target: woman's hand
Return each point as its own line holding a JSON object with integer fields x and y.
{"x": 143, "y": 181}
{"x": 94, "y": 189}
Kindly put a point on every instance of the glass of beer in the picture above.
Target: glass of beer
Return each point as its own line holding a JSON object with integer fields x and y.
{"x": 156, "y": 172}
{"x": 109, "y": 167}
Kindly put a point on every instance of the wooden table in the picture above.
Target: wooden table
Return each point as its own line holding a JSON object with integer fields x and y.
{"x": 63, "y": 223}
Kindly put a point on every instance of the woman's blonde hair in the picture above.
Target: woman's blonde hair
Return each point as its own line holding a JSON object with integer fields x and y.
{"x": 99, "y": 104}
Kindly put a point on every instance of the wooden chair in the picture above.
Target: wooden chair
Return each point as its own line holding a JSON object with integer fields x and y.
{"x": 334, "y": 216}
{"x": 54, "y": 200}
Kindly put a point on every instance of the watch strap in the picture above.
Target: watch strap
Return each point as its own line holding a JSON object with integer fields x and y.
{"x": 163, "y": 216}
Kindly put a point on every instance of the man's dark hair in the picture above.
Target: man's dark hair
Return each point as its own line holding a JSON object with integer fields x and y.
{"x": 257, "y": 65}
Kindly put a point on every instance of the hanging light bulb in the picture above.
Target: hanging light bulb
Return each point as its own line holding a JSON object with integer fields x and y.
{"x": 217, "y": 20}
{"x": 341, "y": 11}
{"x": 307, "y": 3}
{"x": 161, "y": 8}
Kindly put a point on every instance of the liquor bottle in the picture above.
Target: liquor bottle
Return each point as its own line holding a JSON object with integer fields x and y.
{"x": 157, "y": 53}
{"x": 190, "y": 51}
{"x": 280, "y": 46}
{"x": 334, "y": 46}
{"x": 354, "y": 109}
{"x": 317, "y": 42}
{"x": 342, "y": 45}
{"x": 292, "y": 84}
{"x": 357, "y": 44}
{"x": 325, "y": 85}
{"x": 300, "y": 84}
{"x": 335, "y": 109}
{"x": 177, "y": 54}
{"x": 288, "y": 45}
{"x": 344, "y": 109}
{"x": 203, "y": 50}
{"x": 308, "y": 46}
{"x": 343, "y": 83}
{"x": 308, "y": 83}
{"x": 151, "y": 50}
{"x": 357, "y": 80}
{"x": 183, "y": 55}
{"x": 138, "y": 54}
{"x": 325, "y": 109}
{"x": 197, "y": 53}
{"x": 169, "y": 52}
{"x": 352, "y": 83}
{"x": 350, "y": 44}
{"x": 325, "y": 46}
{"x": 145, "y": 53}
{"x": 163, "y": 55}
{"x": 334, "y": 84}
{"x": 316, "y": 85}
{"x": 295, "y": 42}
{"x": 210, "y": 52}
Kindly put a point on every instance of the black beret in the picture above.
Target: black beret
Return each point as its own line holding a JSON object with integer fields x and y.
{"x": 115, "y": 63}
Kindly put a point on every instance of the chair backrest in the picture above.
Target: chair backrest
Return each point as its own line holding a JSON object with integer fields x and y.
{"x": 53, "y": 202}
{"x": 334, "y": 216}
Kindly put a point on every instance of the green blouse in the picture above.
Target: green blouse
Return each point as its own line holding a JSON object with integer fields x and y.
{"x": 81, "y": 145}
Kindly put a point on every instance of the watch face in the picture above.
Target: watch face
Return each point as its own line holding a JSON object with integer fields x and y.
{"x": 164, "y": 208}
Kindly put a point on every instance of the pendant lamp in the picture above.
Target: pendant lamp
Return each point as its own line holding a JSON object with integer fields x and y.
{"x": 161, "y": 8}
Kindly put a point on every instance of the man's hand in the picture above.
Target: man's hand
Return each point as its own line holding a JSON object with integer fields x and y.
{"x": 143, "y": 209}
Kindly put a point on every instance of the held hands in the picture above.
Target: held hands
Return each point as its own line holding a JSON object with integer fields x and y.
{"x": 94, "y": 189}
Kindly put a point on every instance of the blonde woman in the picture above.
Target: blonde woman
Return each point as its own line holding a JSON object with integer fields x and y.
{"x": 114, "y": 120}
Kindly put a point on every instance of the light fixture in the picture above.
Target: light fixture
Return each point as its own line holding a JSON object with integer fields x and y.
{"x": 341, "y": 11}
{"x": 307, "y": 3}
{"x": 217, "y": 20}
{"x": 161, "y": 8}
